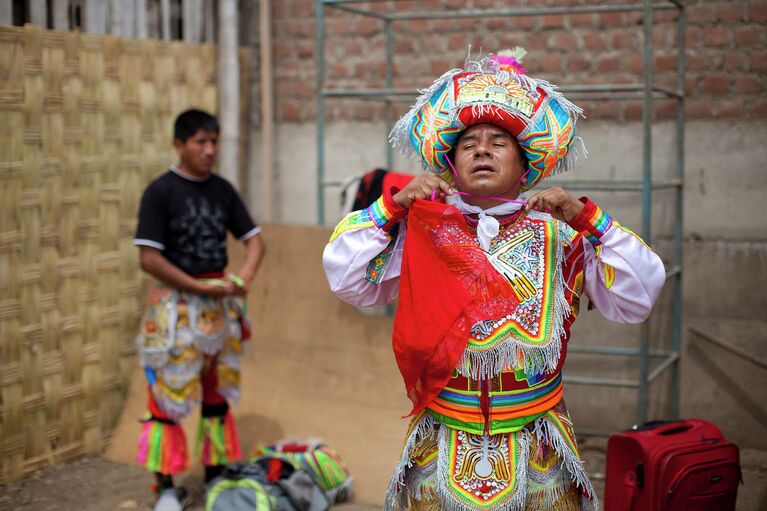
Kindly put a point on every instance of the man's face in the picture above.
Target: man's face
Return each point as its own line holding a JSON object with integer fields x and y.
{"x": 198, "y": 154}
{"x": 488, "y": 161}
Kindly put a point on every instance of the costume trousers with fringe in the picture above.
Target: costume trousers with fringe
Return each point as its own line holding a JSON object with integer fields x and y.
{"x": 190, "y": 349}
{"x": 537, "y": 468}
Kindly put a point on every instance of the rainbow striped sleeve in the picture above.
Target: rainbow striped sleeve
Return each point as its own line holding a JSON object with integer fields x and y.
{"x": 385, "y": 212}
{"x": 592, "y": 222}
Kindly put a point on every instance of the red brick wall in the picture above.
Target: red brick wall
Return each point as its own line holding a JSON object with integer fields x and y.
{"x": 726, "y": 54}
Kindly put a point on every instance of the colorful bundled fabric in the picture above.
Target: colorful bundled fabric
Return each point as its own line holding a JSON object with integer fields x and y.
{"x": 323, "y": 463}
{"x": 494, "y": 90}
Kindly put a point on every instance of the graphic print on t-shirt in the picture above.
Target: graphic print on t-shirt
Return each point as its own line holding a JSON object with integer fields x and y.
{"x": 199, "y": 231}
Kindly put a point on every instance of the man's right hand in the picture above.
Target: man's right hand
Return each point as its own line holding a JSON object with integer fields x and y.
{"x": 206, "y": 288}
{"x": 154, "y": 263}
{"x": 422, "y": 187}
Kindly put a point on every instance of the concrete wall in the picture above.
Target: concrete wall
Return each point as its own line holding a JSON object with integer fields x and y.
{"x": 723, "y": 167}
{"x": 725, "y": 261}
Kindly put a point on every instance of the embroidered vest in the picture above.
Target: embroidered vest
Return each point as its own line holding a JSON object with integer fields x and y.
{"x": 510, "y": 372}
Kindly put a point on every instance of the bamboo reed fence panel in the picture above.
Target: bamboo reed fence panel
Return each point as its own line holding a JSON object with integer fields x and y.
{"x": 86, "y": 124}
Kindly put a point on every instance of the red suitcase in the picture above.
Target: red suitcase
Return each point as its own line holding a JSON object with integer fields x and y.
{"x": 672, "y": 466}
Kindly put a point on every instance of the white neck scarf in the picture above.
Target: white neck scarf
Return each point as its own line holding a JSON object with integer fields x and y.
{"x": 488, "y": 226}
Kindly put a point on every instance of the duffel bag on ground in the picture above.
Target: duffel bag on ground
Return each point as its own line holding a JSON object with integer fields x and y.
{"x": 265, "y": 486}
{"x": 323, "y": 463}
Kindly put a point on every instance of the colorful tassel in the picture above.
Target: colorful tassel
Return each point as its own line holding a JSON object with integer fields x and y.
{"x": 162, "y": 447}
{"x": 218, "y": 438}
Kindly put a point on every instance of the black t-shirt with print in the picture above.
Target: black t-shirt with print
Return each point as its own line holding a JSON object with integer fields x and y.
{"x": 187, "y": 220}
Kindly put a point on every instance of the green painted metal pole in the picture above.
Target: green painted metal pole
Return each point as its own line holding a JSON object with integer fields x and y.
{"x": 644, "y": 340}
{"x": 320, "y": 60}
{"x": 676, "y": 335}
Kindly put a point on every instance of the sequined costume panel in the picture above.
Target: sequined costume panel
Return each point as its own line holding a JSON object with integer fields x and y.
{"x": 534, "y": 469}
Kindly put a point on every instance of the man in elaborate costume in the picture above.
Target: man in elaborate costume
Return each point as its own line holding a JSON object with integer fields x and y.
{"x": 193, "y": 331}
{"x": 489, "y": 283}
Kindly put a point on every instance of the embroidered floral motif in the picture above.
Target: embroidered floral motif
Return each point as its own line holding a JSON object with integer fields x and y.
{"x": 376, "y": 267}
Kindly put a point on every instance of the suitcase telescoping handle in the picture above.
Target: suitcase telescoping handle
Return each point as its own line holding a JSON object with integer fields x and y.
{"x": 665, "y": 428}
{"x": 650, "y": 425}
{"x": 671, "y": 428}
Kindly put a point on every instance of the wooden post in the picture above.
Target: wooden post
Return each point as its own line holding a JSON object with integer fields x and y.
{"x": 267, "y": 107}
{"x": 229, "y": 90}
{"x": 60, "y": 15}
{"x": 253, "y": 177}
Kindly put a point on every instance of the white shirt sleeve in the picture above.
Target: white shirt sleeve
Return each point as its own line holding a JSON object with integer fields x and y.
{"x": 346, "y": 260}
{"x": 622, "y": 276}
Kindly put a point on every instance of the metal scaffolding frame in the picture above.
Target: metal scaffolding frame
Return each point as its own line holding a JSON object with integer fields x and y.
{"x": 666, "y": 359}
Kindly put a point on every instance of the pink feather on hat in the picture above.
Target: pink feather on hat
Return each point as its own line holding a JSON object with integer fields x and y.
{"x": 511, "y": 60}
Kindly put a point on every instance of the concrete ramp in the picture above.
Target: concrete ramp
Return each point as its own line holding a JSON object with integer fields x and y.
{"x": 316, "y": 368}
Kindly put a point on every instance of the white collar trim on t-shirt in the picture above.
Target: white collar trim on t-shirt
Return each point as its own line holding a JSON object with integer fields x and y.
{"x": 186, "y": 176}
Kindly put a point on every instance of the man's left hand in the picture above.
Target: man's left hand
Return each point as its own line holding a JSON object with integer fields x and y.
{"x": 242, "y": 283}
{"x": 560, "y": 204}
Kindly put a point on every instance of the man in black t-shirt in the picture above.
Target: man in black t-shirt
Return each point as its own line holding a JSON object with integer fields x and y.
{"x": 191, "y": 335}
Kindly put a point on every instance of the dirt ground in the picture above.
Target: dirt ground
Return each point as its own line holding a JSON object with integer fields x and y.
{"x": 96, "y": 484}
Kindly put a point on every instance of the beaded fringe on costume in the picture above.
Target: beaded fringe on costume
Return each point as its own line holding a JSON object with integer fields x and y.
{"x": 535, "y": 469}
{"x": 162, "y": 447}
{"x": 217, "y": 439}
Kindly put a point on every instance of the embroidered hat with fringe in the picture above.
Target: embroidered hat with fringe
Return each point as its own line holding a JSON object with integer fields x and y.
{"x": 494, "y": 90}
